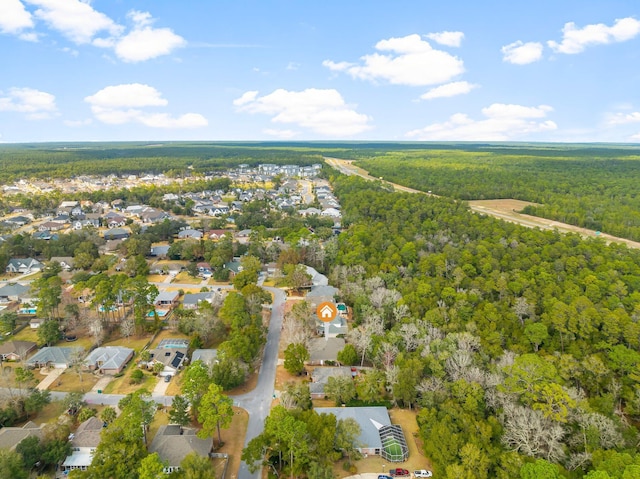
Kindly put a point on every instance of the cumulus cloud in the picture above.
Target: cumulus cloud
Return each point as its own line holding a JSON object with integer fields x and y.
{"x": 74, "y": 19}
{"x": 14, "y": 18}
{"x": 404, "y": 61}
{"x": 623, "y": 118}
{"x": 34, "y": 104}
{"x": 320, "y": 111}
{"x": 502, "y": 122}
{"x": 120, "y": 104}
{"x": 450, "y": 39}
{"x": 575, "y": 40}
{"x": 448, "y": 90}
{"x": 520, "y": 53}
{"x": 79, "y": 22}
{"x": 145, "y": 42}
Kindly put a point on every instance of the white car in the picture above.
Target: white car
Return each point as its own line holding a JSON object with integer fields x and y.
{"x": 422, "y": 473}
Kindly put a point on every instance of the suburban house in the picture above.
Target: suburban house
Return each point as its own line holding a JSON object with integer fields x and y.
{"x": 16, "y": 350}
{"x": 216, "y": 235}
{"x": 377, "y": 435}
{"x": 53, "y": 356}
{"x": 207, "y": 356}
{"x": 159, "y": 251}
{"x": 66, "y": 262}
{"x": 10, "y": 437}
{"x": 116, "y": 234}
{"x": 13, "y": 292}
{"x": 192, "y": 300}
{"x": 324, "y": 350}
{"x": 335, "y": 328}
{"x": 116, "y": 221}
{"x": 170, "y": 352}
{"x": 320, "y": 377}
{"x": 190, "y": 233}
{"x": 331, "y": 213}
{"x": 108, "y": 359}
{"x": 173, "y": 443}
{"x": 24, "y": 265}
{"x": 167, "y": 299}
{"x": 83, "y": 444}
{"x": 234, "y": 268}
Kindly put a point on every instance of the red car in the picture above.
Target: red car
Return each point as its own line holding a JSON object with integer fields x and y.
{"x": 398, "y": 472}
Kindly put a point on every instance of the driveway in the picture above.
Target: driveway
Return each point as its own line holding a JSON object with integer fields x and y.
{"x": 49, "y": 379}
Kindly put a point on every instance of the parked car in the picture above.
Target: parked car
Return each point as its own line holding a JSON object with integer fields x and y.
{"x": 384, "y": 476}
{"x": 167, "y": 378}
{"x": 398, "y": 472}
{"x": 422, "y": 473}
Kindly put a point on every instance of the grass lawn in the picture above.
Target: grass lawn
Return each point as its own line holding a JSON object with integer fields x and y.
{"x": 134, "y": 342}
{"x": 84, "y": 342}
{"x": 69, "y": 381}
{"x": 49, "y": 413}
{"x": 122, "y": 385}
{"x": 156, "y": 278}
{"x": 186, "y": 278}
{"x": 161, "y": 418}
{"x": 233, "y": 439}
{"x": 27, "y": 334}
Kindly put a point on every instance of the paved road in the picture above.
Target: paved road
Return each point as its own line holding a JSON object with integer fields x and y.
{"x": 258, "y": 402}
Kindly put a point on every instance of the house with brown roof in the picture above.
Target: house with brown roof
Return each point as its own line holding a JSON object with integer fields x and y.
{"x": 10, "y": 437}
{"x": 16, "y": 350}
{"x": 173, "y": 443}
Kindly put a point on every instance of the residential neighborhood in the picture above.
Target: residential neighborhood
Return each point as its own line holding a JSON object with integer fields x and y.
{"x": 181, "y": 290}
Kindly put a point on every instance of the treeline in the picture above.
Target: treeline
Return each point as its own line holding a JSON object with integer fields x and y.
{"x": 520, "y": 347}
{"x": 591, "y": 188}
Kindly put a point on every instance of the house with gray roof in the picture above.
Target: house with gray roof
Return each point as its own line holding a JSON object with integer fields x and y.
{"x": 207, "y": 356}
{"x": 52, "y": 356}
{"x": 173, "y": 443}
{"x": 13, "y": 292}
{"x": 190, "y": 233}
{"x": 108, "y": 359}
{"x": 192, "y": 300}
{"x": 83, "y": 444}
{"x": 10, "y": 437}
{"x": 116, "y": 234}
{"x": 324, "y": 350}
{"x": 24, "y": 265}
{"x": 376, "y": 431}
{"x": 170, "y": 352}
{"x": 320, "y": 376}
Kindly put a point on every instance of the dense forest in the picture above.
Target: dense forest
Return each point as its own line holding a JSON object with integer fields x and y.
{"x": 519, "y": 347}
{"x": 595, "y": 188}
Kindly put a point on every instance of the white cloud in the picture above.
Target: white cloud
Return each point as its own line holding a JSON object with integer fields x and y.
{"x": 320, "y": 111}
{"x": 575, "y": 40}
{"x": 14, "y": 17}
{"x": 34, "y": 104}
{"x": 411, "y": 61}
{"x": 450, "y": 39}
{"x": 520, "y": 53}
{"x": 623, "y": 118}
{"x": 293, "y": 66}
{"x": 502, "y": 122}
{"x": 145, "y": 42}
{"x": 75, "y": 19}
{"x": 282, "y": 134}
{"x": 635, "y": 137}
{"x": 449, "y": 90}
{"x": 120, "y": 104}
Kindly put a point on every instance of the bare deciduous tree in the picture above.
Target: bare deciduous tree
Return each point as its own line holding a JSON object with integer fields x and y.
{"x": 529, "y": 432}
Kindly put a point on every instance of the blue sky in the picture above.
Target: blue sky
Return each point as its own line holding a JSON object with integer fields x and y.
{"x": 407, "y": 70}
